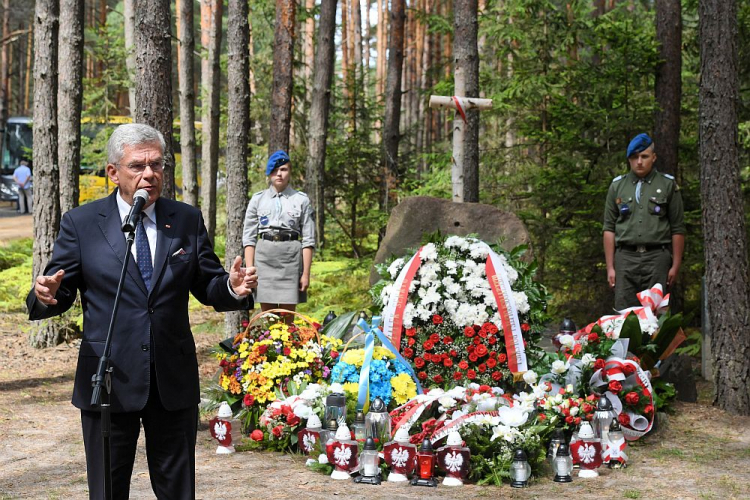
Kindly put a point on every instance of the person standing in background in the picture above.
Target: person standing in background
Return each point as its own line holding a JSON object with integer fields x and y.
{"x": 22, "y": 176}
{"x": 644, "y": 228}
{"x": 279, "y": 238}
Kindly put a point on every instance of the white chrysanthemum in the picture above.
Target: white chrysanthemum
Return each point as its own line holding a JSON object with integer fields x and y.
{"x": 530, "y": 377}
{"x": 431, "y": 296}
{"x": 385, "y": 294}
{"x": 454, "y": 241}
{"x": 451, "y": 305}
{"x": 409, "y": 315}
{"x": 522, "y": 302}
{"x": 429, "y": 271}
{"x": 413, "y": 285}
{"x": 396, "y": 267}
{"x": 560, "y": 367}
{"x": 478, "y": 251}
{"x": 451, "y": 266}
{"x": 429, "y": 252}
{"x": 422, "y": 312}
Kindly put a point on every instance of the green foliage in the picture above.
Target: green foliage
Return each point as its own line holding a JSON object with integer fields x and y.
{"x": 693, "y": 344}
{"x": 664, "y": 395}
{"x": 339, "y": 285}
{"x": 15, "y": 275}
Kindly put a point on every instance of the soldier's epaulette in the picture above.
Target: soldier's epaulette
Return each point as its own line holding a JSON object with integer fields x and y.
{"x": 617, "y": 178}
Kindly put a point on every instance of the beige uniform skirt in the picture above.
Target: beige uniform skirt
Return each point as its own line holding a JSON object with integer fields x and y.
{"x": 279, "y": 265}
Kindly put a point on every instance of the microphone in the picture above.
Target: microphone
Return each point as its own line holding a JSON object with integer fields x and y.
{"x": 139, "y": 201}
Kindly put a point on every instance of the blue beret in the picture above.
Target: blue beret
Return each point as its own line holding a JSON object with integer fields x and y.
{"x": 276, "y": 160}
{"x": 639, "y": 143}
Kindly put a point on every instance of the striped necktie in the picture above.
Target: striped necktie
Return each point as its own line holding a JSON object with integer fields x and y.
{"x": 143, "y": 250}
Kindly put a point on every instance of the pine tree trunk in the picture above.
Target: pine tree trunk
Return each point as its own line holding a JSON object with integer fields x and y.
{"x": 46, "y": 173}
{"x": 4, "y": 73}
{"x": 185, "y": 34}
{"x": 283, "y": 57}
{"x": 319, "y": 110}
{"x": 466, "y": 134}
{"x": 69, "y": 100}
{"x": 153, "y": 88}
{"x": 210, "y": 79}
{"x": 724, "y": 229}
{"x": 29, "y": 69}
{"x": 309, "y": 50}
{"x": 391, "y": 134}
{"x": 238, "y": 135}
{"x": 129, "y": 25}
{"x": 668, "y": 87}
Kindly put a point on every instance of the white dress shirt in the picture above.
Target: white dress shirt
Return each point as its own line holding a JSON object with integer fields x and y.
{"x": 149, "y": 224}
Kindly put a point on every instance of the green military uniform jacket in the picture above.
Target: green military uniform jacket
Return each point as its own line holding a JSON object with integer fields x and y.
{"x": 654, "y": 219}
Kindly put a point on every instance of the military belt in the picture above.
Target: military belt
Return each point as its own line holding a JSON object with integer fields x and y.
{"x": 280, "y": 236}
{"x": 642, "y": 248}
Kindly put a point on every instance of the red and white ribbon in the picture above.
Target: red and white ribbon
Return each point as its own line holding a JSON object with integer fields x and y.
{"x": 393, "y": 315}
{"x": 463, "y": 421}
{"x": 506, "y": 308}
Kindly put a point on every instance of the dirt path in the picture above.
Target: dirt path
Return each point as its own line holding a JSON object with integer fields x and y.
{"x": 13, "y": 226}
{"x": 703, "y": 453}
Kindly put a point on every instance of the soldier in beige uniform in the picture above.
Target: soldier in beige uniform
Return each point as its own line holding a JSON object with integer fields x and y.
{"x": 644, "y": 229}
{"x": 279, "y": 238}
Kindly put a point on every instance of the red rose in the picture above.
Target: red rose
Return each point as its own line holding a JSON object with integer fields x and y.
{"x": 569, "y": 419}
{"x": 422, "y": 375}
{"x": 410, "y": 332}
{"x": 492, "y": 329}
{"x": 470, "y": 348}
{"x": 277, "y": 431}
{"x": 471, "y": 374}
{"x": 624, "y": 419}
{"x": 473, "y": 357}
{"x": 244, "y": 323}
{"x": 463, "y": 365}
{"x": 483, "y": 333}
{"x": 599, "y": 364}
{"x": 649, "y": 409}
{"x": 481, "y": 350}
{"x": 287, "y": 351}
{"x": 428, "y": 357}
{"x": 434, "y": 338}
{"x": 565, "y": 411}
{"x": 497, "y": 376}
{"x": 458, "y": 376}
{"x": 438, "y": 379}
{"x": 484, "y": 388}
{"x": 454, "y": 353}
{"x": 593, "y": 338}
{"x": 615, "y": 386}
{"x": 408, "y": 352}
{"x": 525, "y": 327}
{"x": 248, "y": 400}
{"x": 447, "y": 340}
{"x": 469, "y": 331}
{"x": 419, "y": 362}
{"x": 477, "y": 341}
{"x": 292, "y": 420}
{"x": 587, "y": 408}
{"x": 428, "y": 345}
{"x": 501, "y": 358}
{"x": 256, "y": 435}
{"x": 482, "y": 368}
{"x": 628, "y": 369}
{"x": 577, "y": 420}
{"x": 447, "y": 362}
{"x": 491, "y": 363}
{"x": 632, "y": 398}
{"x": 437, "y": 320}
{"x": 334, "y": 354}
{"x": 410, "y": 341}
{"x": 542, "y": 417}
{"x": 492, "y": 341}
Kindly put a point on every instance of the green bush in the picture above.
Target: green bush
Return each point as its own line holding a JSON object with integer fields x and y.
{"x": 340, "y": 286}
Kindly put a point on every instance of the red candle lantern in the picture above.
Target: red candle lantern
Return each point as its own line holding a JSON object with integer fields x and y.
{"x": 309, "y": 437}
{"x": 343, "y": 453}
{"x": 425, "y": 466}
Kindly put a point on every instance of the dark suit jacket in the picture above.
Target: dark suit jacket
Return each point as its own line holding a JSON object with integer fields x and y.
{"x": 90, "y": 248}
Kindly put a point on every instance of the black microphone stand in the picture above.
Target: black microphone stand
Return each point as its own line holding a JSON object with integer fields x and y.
{"x": 102, "y": 379}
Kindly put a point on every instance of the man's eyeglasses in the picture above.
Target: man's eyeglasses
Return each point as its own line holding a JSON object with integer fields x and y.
{"x": 139, "y": 168}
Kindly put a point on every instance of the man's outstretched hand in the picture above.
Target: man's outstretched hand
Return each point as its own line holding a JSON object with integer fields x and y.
{"x": 242, "y": 279}
{"x": 46, "y": 287}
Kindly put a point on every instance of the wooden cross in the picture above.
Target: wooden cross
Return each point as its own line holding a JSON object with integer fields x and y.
{"x": 460, "y": 104}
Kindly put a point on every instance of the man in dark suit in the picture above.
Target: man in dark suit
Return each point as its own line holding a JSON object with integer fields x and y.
{"x": 155, "y": 367}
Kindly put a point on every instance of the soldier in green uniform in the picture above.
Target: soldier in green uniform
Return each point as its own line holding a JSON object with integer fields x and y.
{"x": 644, "y": 230}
